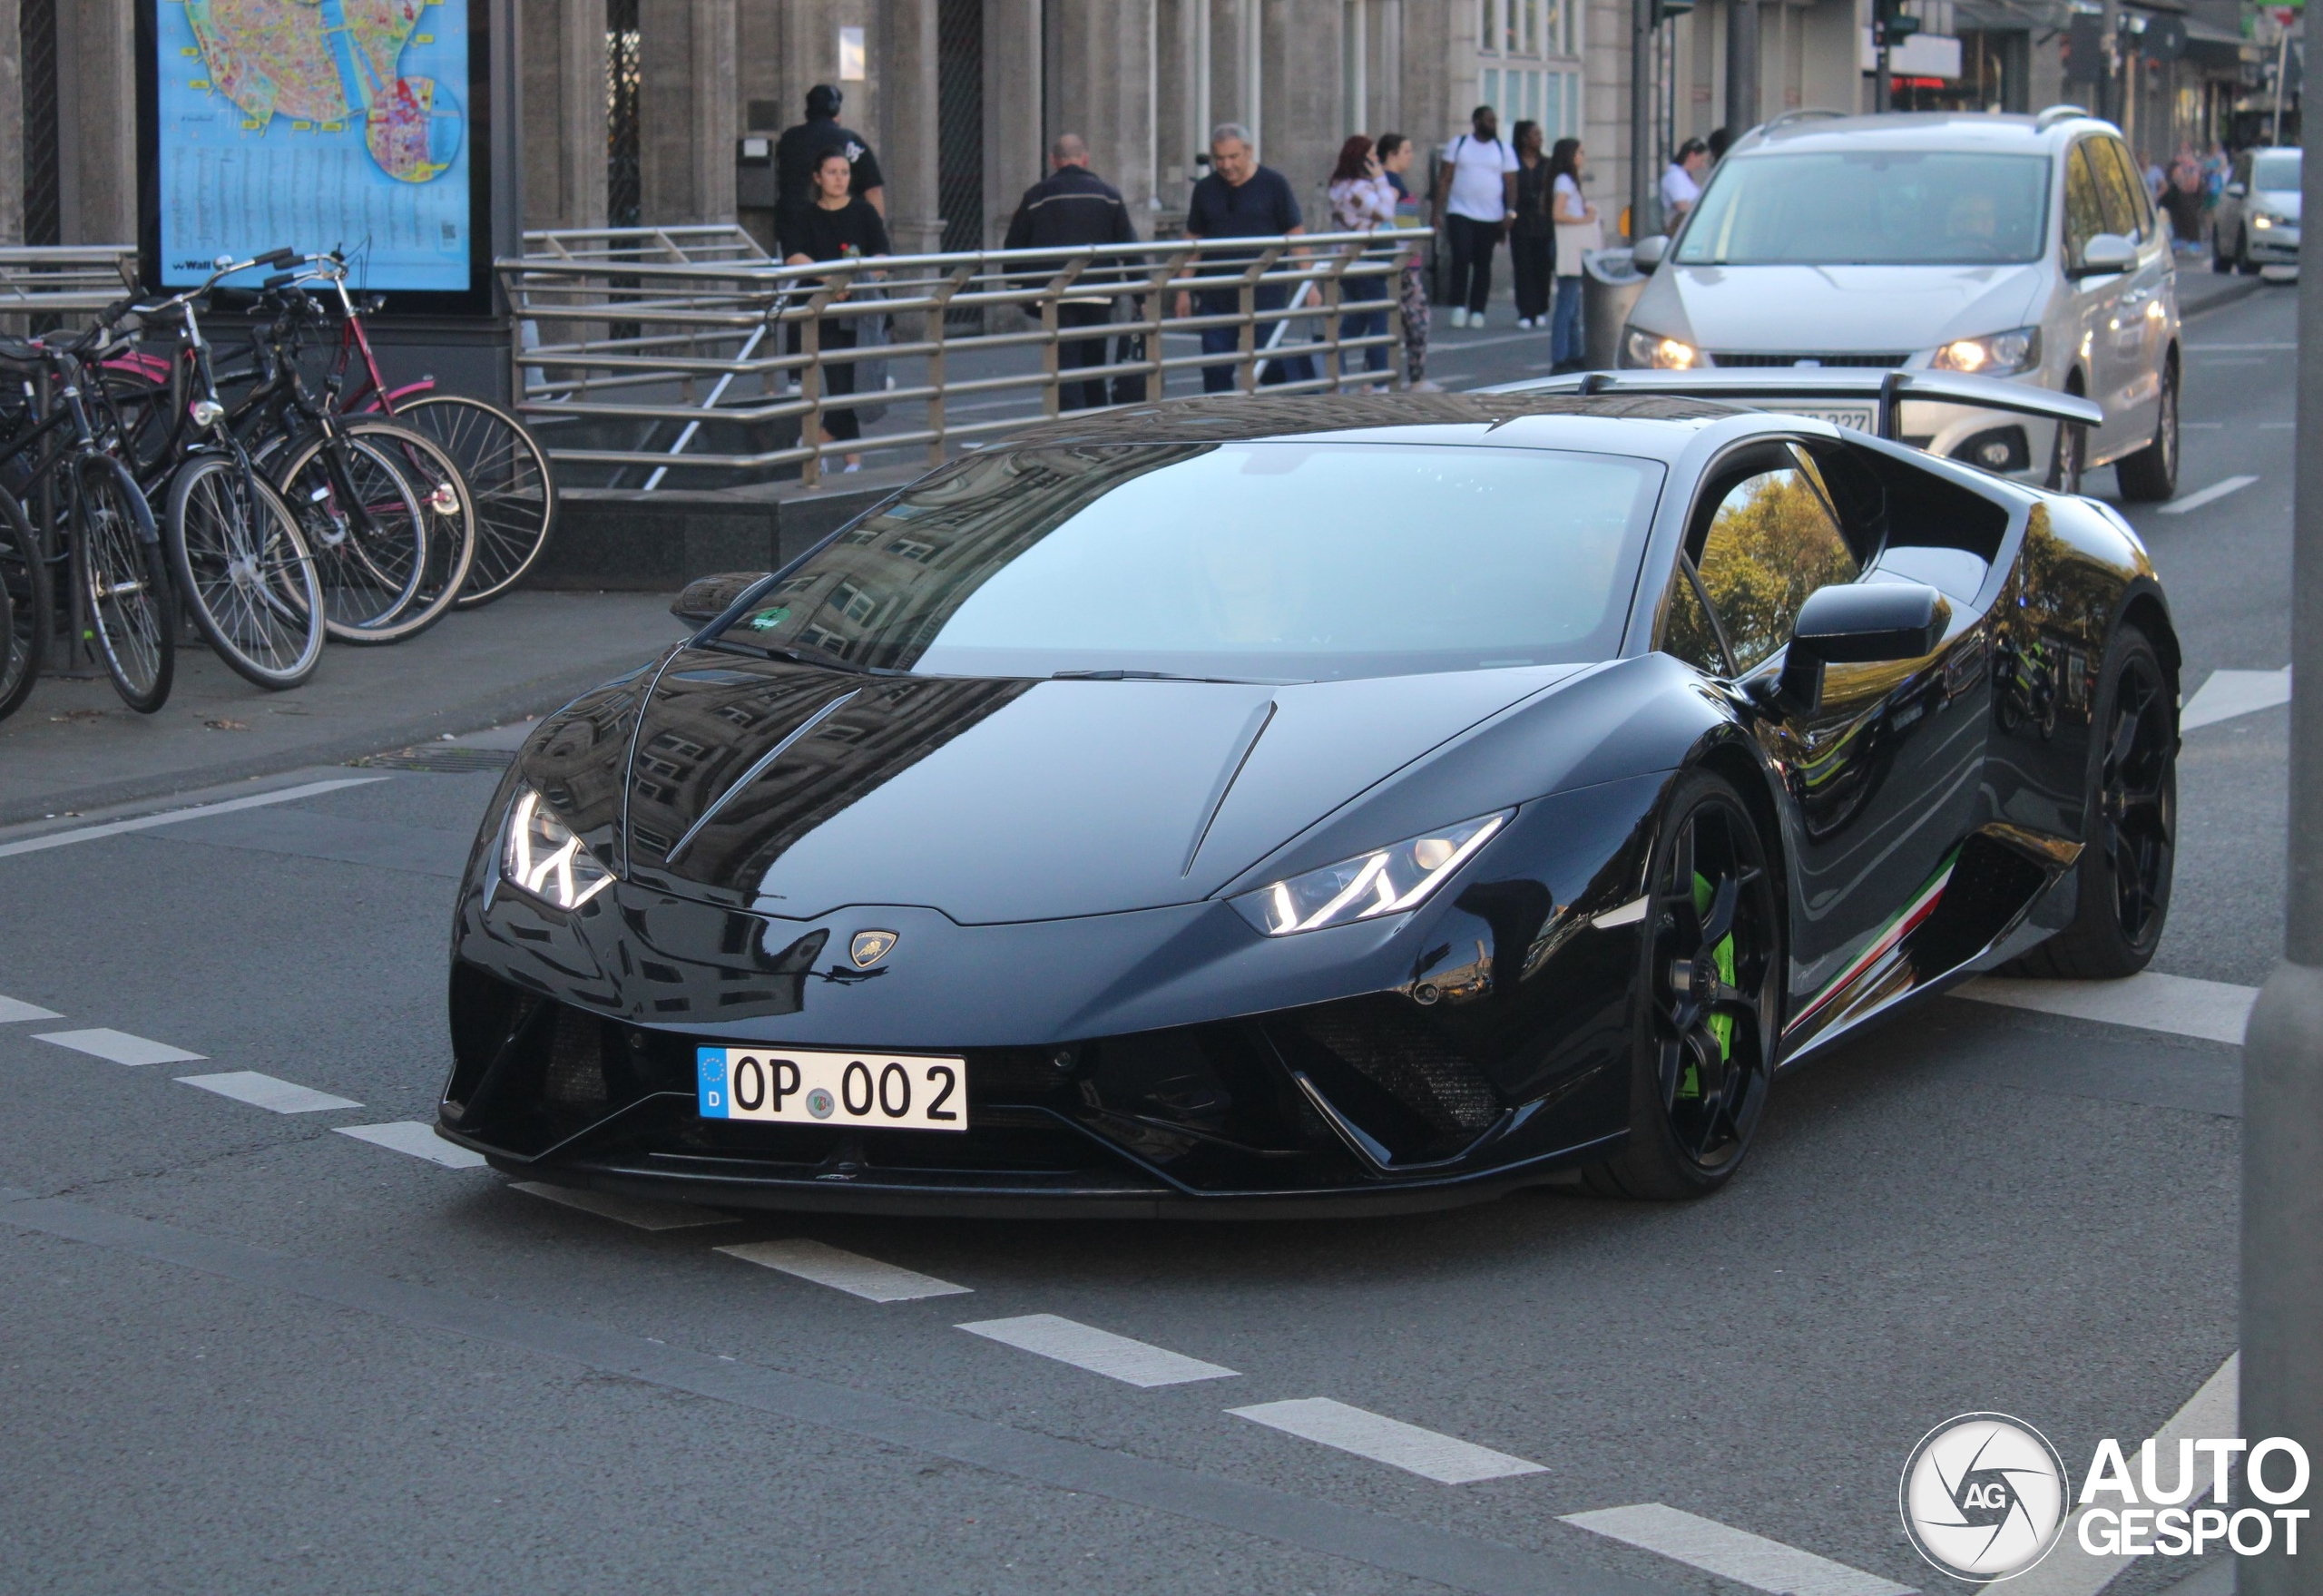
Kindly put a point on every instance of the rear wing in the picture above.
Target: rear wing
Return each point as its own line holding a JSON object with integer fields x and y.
{"x": 1815, "y": 390}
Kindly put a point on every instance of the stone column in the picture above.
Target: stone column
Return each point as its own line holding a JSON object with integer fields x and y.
{"x": 904, "y": 44}
{"x": 1102, "y": 86}
{"x": 687, "y": 109}
{"x": 1015, "y": 155}
{"x": 97, "y": 120}
{"x": 565, "y": 113}
{"x": 12, "y": 121}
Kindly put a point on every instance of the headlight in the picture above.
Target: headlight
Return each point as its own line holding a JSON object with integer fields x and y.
{"x": 206, "y": 413}
{"x": 1650, "y": 351}
{"x": 2259, "y": 219}
{"x": 2002, "y": 354}
{"x": 540, "y": 856}
{"x": 1387, "y": 882}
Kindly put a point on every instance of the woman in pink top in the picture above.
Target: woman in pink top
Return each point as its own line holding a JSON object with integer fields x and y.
{"x": 1362, "y": 202}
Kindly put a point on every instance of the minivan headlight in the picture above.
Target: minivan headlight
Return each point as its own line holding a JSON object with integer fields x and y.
{"x": 1386, "y": 881}
{"x": 539, "y": 855}
{"x": 2000, "y": 354}
{"x": 1650, "y": 351}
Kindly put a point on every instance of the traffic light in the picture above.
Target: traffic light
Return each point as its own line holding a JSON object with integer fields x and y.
{"x": 1895, "y": 24}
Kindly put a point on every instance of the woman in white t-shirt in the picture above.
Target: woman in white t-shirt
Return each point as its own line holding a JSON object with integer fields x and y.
{"x": 1475, "y": 200}
{"x": 1578, "y": 233}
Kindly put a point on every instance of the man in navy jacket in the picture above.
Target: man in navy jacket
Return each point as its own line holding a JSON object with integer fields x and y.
{"x": 1073, "y": 205}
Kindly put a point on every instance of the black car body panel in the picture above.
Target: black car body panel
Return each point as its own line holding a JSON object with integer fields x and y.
{"x": 1054, "y": 864}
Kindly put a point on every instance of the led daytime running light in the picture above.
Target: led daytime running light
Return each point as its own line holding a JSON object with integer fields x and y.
{"x": 544, "y": 859}
{"x": 1387, "y": 881}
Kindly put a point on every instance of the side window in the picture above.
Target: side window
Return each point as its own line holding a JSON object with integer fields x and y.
{"x": 2085, "y": 211}
{"x": 2120, "y": 187}
{"x": 1686, "y": 629}
{"x": 1773, "y": 541}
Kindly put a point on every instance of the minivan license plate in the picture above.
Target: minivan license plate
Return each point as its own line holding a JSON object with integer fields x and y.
{"x": 1854, "y": 418}
{"x": 886, "y": 1092}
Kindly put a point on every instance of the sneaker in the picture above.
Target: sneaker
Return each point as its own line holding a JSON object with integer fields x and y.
{"x": 1524, "y": 323}
{"x": 1475, "y": 319}
{"x": 1459, "y": 316}
{"x": 1425, "y": 387}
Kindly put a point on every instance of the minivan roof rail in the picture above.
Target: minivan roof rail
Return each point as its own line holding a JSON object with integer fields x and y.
{"x": 2057, "y": 114}
{"x": 1808, "y": 113}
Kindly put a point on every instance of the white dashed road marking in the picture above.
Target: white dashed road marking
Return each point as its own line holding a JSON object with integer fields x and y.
{"x": 33, "y": 845}
{"x": 2211, "y": 495}
{"x": 850, "y": 1272}
{"x": 13, "y": 1009}
{"x": 284, "y": 1097}
{"x": 1384, "y": 1440}
{"x": 409, "y": 1136}
{"x": 119, "y": 1046}
{"x": 2224, "y": 694}
{"x": 2150, "y": 1001}
{"x": 1731, "y": 1553}
{"x": 641, "y": 1212}
{"x": 1101, "y": 1352}
{"x": 2214, "y": 1410}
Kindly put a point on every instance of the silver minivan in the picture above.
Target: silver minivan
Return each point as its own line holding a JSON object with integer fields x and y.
{"x": 2257, "y": 222}
{"x": 2019, "y": 247}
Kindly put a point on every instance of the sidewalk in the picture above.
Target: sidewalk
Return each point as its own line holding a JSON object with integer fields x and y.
{"x": 73, "y": 748}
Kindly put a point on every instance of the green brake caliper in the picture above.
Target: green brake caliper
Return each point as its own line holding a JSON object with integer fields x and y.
{"x": 1720, "y": 1025}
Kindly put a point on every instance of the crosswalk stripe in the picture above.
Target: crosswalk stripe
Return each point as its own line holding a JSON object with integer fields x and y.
{"x": 283, "y": 1097}
{"x": 1101, "y": 1352}
{"x": 1384, "y": 1440}
{"x": 417, "y": 1139}
{"x": 13, "y": 1009}
{"x": 2149, "y": 1001}
{"x": 119, "y": 1047}
{"x": 2211, "y": 495}
{"x": 1731, "y": 1553}
{"x": 2225, "y": 694}
{"x": 640, "y": 1211}
{"x": 841, "y": 1270}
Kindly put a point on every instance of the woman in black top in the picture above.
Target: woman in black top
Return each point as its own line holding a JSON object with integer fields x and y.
{"x": 836, "y": 227}
{"x": 1532, "y": 242}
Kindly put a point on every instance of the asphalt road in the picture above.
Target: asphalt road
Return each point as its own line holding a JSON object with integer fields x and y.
{"x": 242, "y": 1351}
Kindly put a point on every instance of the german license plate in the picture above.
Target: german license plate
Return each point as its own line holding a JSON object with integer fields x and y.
{"x": 886, "y": 1092}
{"x": 1855, "y": 417}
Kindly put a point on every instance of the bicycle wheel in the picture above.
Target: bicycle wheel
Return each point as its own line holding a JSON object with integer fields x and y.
{"x": 245, "y": 571}
{"x": 516, "y": 500}
{"x": 443, "y": 494}
{"x": 118, "y": 571}
{"x": 368, "y": 534}
{"x": 25, "y": 582}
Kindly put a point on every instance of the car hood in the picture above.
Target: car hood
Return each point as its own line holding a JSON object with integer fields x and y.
{"x": 2282, "y": 203}
{"x": 793, "y": 790}
{"x": 1835, "y": 310}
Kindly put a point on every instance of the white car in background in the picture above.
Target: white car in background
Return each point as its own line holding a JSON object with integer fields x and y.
{"x": 2256, "y": 223}
{"x": 2018, "y": 246}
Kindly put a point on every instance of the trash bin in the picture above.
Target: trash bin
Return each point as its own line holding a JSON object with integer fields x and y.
{"x": 1610, "y": 286}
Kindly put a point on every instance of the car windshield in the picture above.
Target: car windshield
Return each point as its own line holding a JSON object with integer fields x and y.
{"x": 1871, "y": 208}
{"x": 2274, "y": 169}
{"x": 1289, "y": 561}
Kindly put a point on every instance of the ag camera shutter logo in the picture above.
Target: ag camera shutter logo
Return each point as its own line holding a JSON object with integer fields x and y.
{"x": 1984, "y": 1497}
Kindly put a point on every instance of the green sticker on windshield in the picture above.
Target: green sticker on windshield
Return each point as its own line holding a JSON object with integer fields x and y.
{"x": 767, "y": 620}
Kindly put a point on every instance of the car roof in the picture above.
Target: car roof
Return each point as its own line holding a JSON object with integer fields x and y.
{"x": 1651, "y": 425}
{"x": 1922, "y": 130}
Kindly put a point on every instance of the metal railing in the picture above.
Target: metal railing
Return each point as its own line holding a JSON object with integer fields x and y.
{"x": 647, "y": 351}
{"x": 64, "y": 279}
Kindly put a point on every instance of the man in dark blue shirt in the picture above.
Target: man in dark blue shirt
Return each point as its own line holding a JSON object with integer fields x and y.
{"x": 1243, "y": 199}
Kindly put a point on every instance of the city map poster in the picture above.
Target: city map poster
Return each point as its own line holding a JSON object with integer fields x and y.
{"x": 315, "y": 124}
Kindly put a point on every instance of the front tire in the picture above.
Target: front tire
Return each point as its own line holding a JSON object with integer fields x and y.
{"x": 2151, "y": 475}
{"x": 1710, "y": 992}
{"x": 2243, "y": 261}
{"x": 2130, "y": 823}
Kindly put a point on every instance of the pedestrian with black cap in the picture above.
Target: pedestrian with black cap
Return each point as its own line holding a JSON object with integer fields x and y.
{"x": 800, "y": 152}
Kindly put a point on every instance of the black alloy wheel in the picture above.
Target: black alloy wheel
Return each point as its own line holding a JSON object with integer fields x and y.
{"x": 2129, "y": 853}
{"x": 1709, "y": 998}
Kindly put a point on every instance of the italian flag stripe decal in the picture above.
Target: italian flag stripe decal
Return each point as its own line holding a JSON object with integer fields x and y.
{"x": 1907, "y": 920}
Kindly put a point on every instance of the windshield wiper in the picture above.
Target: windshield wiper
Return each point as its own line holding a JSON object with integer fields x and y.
{"x": 1118, "y": 675}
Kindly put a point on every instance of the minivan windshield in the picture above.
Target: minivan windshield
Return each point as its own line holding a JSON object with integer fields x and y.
{"x": 2274, "y": 169}
{"x": 1871, "y": 208}
{"x": 1275, "y": 560}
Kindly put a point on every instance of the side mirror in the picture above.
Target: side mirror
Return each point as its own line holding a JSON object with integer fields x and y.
{"x": 2236, "y": 191}
{"x": 1860, "y": 623}
{"x": 706, "y": 598}
{"x": 1647, "y": 252}
{"x": 2108, "y": 252}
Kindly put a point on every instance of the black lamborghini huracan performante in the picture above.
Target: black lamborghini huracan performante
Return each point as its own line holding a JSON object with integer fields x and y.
{"x": 1281, "y": 805}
